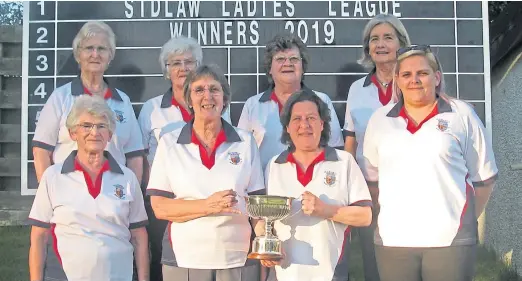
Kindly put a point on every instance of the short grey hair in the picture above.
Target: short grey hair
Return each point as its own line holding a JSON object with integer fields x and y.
{"x": 202, "y": 71}
{"x": 95, "y": 106}
{"x": 435, "y": 65}
{"x": 286, "y": 115}
{"x": 178, "y": 46}
{"x": 90, "y": 29}
{"x": 282, "y": 42}
{"x": 400, "y": 30}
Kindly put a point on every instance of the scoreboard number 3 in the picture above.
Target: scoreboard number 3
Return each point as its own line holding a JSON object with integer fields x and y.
{"x": 42, "y": 59}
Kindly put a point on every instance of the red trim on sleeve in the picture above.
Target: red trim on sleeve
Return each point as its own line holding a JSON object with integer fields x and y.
{"x": 184, "y": 113}
{"x": 410, "y": 124}
{"x": 346, "y": 238}
{"x": 55, "y": 243}
{"x": 304, "y": 177}
{"x": 206, "y": 159}
{"x": 170, "y": 237}
{"x": 94, "y": 189}
{"x": 108, "y": 93}
{"x": 279, "y": 104}
{"x": 384, "y": 98}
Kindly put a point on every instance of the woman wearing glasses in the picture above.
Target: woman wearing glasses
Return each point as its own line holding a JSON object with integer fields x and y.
{"x": 432, "y": 162}
{"x": 166, "y": 112}
{"x": 382, "y": 37}
{"x": 93, "y": 48}
{"x": 93, "y": 206}
{"x": 285, "y": 62}
{"x": 201, "y": 173}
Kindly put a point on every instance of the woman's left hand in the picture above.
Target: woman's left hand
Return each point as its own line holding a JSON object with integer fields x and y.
{"x": 313, "y": 206}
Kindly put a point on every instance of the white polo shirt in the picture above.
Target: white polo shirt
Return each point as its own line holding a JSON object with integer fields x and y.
{"x": 363, "y": 100}
{"x": 313, "y": 246}
{"x": 90, "y": 235}
{"x": 260, "y": 116}
{"x": 218, "y": 241}
{"x": 158, "y": 113}
{"x": 51, "y": 133}
{"x": 427, "y": 174}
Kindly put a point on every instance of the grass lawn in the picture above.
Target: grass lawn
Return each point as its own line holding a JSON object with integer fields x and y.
{"x": 14, "y": 242}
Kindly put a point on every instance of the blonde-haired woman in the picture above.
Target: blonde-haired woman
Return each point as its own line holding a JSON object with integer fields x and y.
{"x": 433, "y": 164}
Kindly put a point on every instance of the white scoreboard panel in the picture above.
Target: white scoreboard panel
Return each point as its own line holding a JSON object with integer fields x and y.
{"x": 233, "y": 35}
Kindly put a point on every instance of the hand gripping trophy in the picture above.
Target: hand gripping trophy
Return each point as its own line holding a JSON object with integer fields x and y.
{"x": 269, "y": 208}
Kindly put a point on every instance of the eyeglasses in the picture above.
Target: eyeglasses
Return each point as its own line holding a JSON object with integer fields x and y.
{"x": 98, "y": 49}
{"x": 213, "y": 90}
{"x": 292, "y": 60}
{"x": 178, "y": 64}
{"x": 87, "y": 127}
{"x": 423, "y": 48}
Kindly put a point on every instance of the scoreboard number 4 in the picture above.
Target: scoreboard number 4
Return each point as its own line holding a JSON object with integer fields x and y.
{"x": 40, "y": 91}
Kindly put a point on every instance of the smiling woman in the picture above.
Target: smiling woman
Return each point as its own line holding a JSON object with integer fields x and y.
{"x": 92, "y": 204}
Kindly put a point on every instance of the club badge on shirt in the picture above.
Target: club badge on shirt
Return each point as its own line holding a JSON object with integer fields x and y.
{"x": 329, "y": 178}
{"x": 118, "y": 191}
{"x": 234, "y": 158}
{"x": 119, "y": 116}
{"x": 442, "y": 125}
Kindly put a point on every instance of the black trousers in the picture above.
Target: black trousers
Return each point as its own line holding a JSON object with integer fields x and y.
{"x": 371, "y": 273}
{"x": 455, "y": 263}
{"x": 155, "y": 229}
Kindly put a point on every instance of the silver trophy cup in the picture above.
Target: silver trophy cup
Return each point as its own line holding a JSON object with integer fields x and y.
{"x": 269, "y": 208}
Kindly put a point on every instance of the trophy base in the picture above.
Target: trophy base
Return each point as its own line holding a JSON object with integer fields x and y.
{"x": 270, "y": 257}
{"x": 266, "y": 248}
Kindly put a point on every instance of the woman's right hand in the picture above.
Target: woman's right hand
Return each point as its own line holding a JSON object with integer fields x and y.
{"x": 222, "y": 202}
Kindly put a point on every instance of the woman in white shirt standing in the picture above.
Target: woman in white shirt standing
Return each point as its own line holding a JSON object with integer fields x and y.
{"x": 382, "y": 37}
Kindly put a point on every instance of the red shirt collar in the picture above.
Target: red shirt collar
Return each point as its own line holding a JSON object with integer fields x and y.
{"x": 274, "y": 98}
{"x": 184, "y": 113}
{"x": 304, "y": 177}
{"x": 410, "y": 124}
{"x": 384, "y": 98}
{"x": 209, "y": 159}
{"x": 108, "y": 93}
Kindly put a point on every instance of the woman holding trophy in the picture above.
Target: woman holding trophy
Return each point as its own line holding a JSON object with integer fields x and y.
{"x": 200, "y": 176}
{"x": 332, "y": 191}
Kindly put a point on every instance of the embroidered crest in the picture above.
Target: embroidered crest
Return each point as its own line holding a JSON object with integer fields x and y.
{"x": 118, "y": 191}
{"x": 442, "y": 125}
{"x": 235, "y": 159}
{"x": 329, "y": 178}
{"x": 119, "y": 116}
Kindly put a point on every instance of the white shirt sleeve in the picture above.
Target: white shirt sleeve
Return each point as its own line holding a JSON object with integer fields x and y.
{"x": 134, "y": 146}
{"x": 336, "y": 135}
{"x": 244, "y": 119}
{"x": 358, "y": 192}
{"x": 256, "y": 176}
{"x": 159, "y": 184}
{"x": 349, "y": 126}
{"x": 145, "y": 124}
{"x": 42, "y": 209}
{"x": 370, "y": 167}
{"x": 48, "y": 127}
{"x": 137, "y": 215}
{"x": 478, "y": 154}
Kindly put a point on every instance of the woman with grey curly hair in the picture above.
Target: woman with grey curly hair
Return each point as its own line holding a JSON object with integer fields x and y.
{"x": 286, "y": 61}
{"x": 332, "y": 191}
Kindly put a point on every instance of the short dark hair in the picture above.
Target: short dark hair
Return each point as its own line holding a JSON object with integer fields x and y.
{"x": 206, "y": 70}
{"x": 322, "y": 107}
{"x": 280, "y": 43}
